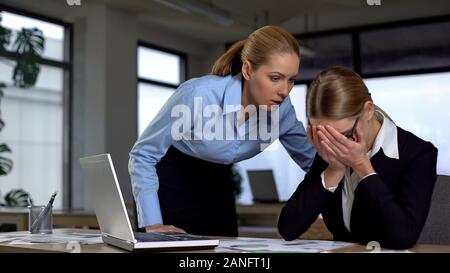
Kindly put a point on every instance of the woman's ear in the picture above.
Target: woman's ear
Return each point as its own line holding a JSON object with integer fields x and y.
{"x": 369, "y": 108}
{"x": 246, "y": 70}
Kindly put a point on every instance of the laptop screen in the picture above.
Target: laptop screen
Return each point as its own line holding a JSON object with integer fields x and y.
{"x": 262, "y": 183}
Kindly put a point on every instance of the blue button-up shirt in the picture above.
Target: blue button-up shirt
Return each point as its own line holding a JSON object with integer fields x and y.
{"x": 239, "y": 144}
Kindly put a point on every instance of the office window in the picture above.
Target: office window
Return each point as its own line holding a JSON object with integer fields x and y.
{"x": 286, "y": 172}
{"x": 420, "y": 104}
{"x": 34, "y": 117}
{"x": 405, "y": 48}
{"x": 159, "y": 73}
{"x": 319, "y": 53}
{"x": 53, "y": 33}
{"x": 151, "y": 98}
{"x": 159, "y": 66}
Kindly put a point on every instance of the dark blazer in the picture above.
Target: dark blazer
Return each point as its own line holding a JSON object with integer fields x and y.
{"x": 390, "y": 207}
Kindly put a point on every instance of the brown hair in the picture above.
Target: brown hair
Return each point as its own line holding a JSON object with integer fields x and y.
{"x": 255, "y": 49}
{"x": 336, "y": 93}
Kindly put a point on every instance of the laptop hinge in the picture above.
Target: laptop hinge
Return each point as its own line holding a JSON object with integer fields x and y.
{"x": 117, "y": 238}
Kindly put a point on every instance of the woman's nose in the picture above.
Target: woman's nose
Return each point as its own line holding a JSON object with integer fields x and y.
{"x": 284, "y": 91}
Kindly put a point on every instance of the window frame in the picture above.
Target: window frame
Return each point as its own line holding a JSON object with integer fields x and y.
{"x": 183, "y": 64}
{"x": 67, "y": 66}
{"x": 355, "y": 33}
{"x": 183, "y": 72}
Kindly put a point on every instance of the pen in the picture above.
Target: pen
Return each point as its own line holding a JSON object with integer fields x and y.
{"x": 43, "y": 213}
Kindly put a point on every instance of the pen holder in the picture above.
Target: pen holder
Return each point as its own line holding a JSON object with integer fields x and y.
{"x": 45, "y": 220}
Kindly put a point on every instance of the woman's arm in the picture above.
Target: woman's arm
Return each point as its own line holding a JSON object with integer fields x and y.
{"x": 294, "y": 139}
{"x": 398, "y": 216}
{"x": 305, "y": 205}
{"x": 392, "y": 217}
{"x": 151, "y": 146}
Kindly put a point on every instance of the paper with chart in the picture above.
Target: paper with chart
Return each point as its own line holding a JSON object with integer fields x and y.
{"x": 82, "y": 238}
{"x": 279, "y": 245}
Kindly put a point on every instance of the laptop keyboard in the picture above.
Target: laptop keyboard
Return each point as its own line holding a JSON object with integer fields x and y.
{"x": 158, "y": 237}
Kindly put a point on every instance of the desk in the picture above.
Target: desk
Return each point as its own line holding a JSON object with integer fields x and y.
{"x": 103, "y": 248}
{"x": 261, "y": 220}
{"x": 62, "y": 218}
{"x": 263, "y": 216}
{"x": 257, "y": 220}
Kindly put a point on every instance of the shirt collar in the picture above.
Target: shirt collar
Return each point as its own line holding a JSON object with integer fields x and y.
{"x": 386, "y": 137}
{"x": 232, "y": 96}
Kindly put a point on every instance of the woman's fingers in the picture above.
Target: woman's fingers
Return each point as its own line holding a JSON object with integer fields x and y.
{"x": 338, "y": 137}
{"x": 332, "y": 159}
{"x": 329, "y": 141}
{"x": 338, "y": 147}
{"x": 327, "y": 146}
{"x": 177, "y": 230}
{"x": 164, "y": 228}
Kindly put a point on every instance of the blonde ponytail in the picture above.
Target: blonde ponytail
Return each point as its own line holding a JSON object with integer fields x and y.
{"x": 256, "y": 49}
{"x": 230, "y": 62}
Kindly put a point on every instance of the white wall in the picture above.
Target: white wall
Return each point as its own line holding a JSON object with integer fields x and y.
{"x": 198, "y": 52}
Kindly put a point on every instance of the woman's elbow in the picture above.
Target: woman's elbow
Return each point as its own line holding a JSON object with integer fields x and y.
{"x": 287, "y": 234}
{"x": 287, "y": 229}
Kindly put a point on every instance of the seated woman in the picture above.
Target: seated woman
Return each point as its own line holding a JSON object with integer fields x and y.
{"x": 370, "y": 180}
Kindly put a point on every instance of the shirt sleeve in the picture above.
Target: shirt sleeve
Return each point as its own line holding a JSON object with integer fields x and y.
{"x": 150, "y": 147}
{"x": 372, "y": 173}
{"x": 322, "y": 176}
{"x": 295, "y": 140}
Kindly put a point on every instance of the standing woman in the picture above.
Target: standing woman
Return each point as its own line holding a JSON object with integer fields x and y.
{"x": 184, "y": 183}
{"x": 370, "y": 180}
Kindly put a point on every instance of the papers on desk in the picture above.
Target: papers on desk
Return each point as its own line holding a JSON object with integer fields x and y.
{"x": 25, "y": 239}
{"x": 278, "y": 245}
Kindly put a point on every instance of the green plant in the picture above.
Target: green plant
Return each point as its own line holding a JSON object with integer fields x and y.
{"x": 237, "y": 179}
{"x": 27, "y": 48}
{"x": 17, "y": 198}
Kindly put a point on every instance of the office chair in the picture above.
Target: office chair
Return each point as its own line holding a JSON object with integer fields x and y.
{"x": 436, "y": 230}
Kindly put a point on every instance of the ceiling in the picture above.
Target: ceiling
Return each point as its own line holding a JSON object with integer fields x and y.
{"x": 298, "y": 16}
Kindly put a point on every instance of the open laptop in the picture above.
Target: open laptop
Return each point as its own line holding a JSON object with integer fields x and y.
{"x": 262, "y": 183}
{"x": 113, "y": 218}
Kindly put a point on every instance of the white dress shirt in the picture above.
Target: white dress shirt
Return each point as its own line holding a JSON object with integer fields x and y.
{"x": 386, "y": 139}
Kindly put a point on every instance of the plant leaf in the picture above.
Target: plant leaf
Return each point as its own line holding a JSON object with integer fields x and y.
{"x": 29, "y": 44}
{"x": 5, "y": 37}
{"x": 17, "y": 198}
{"x": 29, "y": 41}
{"x": 4, "y": 148}
{"x": 26, "y": 71}
{"x": 6, "y": 165}
{"x": 2, "y": 86}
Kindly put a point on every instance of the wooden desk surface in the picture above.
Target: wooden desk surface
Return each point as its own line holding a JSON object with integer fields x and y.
{"x": 255, "y": 214}
{"x": 104, "y": 248}
{"x": 61, "y": 217}
{"x": 260, "y": 209}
